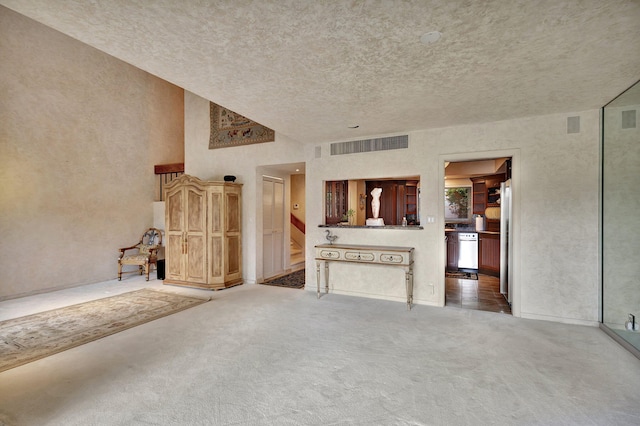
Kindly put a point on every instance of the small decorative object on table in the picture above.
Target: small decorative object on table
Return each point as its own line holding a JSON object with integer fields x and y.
{"x": 329, "y": 237}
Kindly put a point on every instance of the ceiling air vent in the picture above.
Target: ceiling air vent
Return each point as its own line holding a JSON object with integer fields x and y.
{"x": 368, "y": 145}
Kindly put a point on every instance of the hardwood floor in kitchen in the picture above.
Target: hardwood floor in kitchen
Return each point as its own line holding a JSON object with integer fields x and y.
{"x": 482, "y": 294}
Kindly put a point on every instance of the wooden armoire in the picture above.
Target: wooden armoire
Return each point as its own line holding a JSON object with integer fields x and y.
{"x": 203, "y": 241}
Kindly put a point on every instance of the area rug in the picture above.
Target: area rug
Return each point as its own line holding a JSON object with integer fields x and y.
{"x": 29, "y": 338}
{"x": 461, "y": 275}
{"x": 293, "y": 280}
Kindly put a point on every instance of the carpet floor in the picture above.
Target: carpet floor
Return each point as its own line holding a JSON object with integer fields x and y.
{"x": 293, "y": 280}
{"x": 36, "y": 336}
{"x": 260, "y": 355}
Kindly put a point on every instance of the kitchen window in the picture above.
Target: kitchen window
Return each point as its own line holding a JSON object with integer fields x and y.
{"x": 457, "y": 204}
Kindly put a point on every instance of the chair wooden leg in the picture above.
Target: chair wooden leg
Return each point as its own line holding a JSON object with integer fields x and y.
{"x": 119, "y": 271}
{"x": 147, "y": 270}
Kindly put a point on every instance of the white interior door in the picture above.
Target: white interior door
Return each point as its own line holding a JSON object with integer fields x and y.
{"x": 273, "y": 226}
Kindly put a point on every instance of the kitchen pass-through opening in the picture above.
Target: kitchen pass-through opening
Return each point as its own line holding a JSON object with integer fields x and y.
{"x": 477, "y": 233}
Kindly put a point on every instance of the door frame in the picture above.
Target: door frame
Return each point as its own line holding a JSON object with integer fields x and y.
{"x": 282, "y": 171}
{"x": 516, "y": 197}
{"x": 283, "y": 225}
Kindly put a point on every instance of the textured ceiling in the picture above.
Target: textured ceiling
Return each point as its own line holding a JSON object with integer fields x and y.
{"x": 311, "y": 68}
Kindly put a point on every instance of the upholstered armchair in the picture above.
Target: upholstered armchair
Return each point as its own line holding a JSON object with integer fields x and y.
{"x": 144, "y": 254}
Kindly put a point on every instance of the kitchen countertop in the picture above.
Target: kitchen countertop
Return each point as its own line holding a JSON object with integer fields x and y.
{"x": 408, "y": 227}
{"x": 471, "y": 230}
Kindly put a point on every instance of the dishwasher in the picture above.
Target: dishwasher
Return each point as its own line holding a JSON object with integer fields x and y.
{"x": 468, "y": 252}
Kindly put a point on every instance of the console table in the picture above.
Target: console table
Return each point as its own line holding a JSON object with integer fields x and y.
{"x": 379, "y": 255}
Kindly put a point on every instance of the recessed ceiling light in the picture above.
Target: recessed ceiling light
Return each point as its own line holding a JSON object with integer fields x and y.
{"x": 430, "y": 37}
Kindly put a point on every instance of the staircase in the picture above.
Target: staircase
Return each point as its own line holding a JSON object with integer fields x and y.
{"x": 297, "y": 256}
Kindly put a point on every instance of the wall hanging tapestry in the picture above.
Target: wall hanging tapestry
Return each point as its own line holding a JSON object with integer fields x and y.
{"x": 231, "y": 129}
{"x": 27, "y": 339}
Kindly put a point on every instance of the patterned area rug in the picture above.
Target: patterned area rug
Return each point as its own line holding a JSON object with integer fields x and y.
{"x": 462, "y": 275}
{"x": 26, "y": 339}
{"x": 293, "y": 280}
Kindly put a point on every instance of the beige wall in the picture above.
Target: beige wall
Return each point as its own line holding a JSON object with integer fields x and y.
{"x": 556, "y": 212}
{"x": 298, "y": 197}
{"x": 80, "y": 134}
{"x": 555, "y": 196}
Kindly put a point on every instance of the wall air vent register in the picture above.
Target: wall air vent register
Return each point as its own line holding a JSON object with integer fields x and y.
{"x": 370, "y": 145}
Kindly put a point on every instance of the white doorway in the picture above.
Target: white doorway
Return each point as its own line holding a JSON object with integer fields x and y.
{"x": 273, "y": 223}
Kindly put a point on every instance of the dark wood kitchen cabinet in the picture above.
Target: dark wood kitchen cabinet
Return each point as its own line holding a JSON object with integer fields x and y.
{"x": 452, "y": 251}
{"x": 486, "y": 193}
{"x": 479, "y": 196}
{"x": 489, "y": 254}
{"x": 411, "y": 201}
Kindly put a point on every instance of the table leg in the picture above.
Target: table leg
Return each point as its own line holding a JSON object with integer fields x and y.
{"x": 408, "y": 277}
{"x": 318, "y": 276}
{"x": 326, "y": 277}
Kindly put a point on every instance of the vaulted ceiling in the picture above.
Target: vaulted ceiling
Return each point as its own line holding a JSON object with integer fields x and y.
{"x": 311, "y": 69}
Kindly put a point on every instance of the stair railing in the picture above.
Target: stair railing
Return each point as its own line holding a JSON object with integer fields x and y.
{"x": 166, "y": 174}
{"x": 298, "y": 223}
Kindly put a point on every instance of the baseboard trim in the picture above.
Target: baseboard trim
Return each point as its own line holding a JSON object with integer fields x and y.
{"x": 574, "y": 321}
{"x": 628, "y": 346}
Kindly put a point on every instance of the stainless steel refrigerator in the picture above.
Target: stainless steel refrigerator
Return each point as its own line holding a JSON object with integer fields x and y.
{"x": 506, "y": 247}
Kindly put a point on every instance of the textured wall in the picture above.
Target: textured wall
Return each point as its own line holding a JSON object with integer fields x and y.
{"x": 556, "y": 208}
{"x": 555, "y": 196}
{"x": 80, "y": 134}
{"x": 556, "y": 217}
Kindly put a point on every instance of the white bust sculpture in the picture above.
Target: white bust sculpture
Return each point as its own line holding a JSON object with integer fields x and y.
{"x": 375, "y": 209}
{"x": 375, "y": 203}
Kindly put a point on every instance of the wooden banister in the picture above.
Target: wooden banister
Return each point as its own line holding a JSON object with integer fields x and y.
{"x": 162, "y": 169}
{"x": 167, "y": 173}
{"x": 298, "y": 223}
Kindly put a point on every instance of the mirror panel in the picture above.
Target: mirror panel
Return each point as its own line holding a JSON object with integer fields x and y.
{"x": 621, "y": 216}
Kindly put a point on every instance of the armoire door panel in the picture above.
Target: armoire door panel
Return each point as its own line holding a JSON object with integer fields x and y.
{"x": 233, "y": 207}
{"x": 173, "y": 253}
{"x": 195, "y": 211}
{"x": 216, "y": 251}
{"x": 233, "y": 255}
{"x": 196, "y": 258}
{"x": 174, "y": 213}
{"x": 216, "y": 212}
